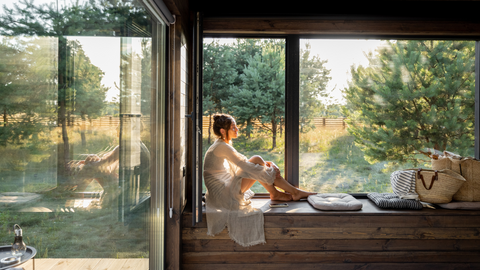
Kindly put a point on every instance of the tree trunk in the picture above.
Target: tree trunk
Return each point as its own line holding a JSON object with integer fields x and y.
{"x": 280, "y": 129}
{"x": 249, "y": 124}
{"x": 5, "y": 121}
{"x": 274, "y": 132}
{"x": 63, "y": 82}
{"x": 5, "y": 117}
{"x": 82, "y": 133}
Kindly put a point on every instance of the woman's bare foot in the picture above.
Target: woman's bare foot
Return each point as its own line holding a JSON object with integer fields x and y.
{"x": 300, "y": 194}
{"x": 280, "y": 196}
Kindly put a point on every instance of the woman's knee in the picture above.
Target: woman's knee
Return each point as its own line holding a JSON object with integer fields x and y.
{"x": 257, "y": 160}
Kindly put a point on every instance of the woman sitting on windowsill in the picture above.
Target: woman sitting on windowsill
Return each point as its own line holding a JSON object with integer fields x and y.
{"x": 229, "y": 176}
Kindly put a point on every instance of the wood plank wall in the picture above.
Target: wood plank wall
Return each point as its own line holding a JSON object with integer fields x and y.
{"x": 401, "y": 240}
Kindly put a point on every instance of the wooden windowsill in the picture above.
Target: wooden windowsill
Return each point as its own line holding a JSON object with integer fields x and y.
{"x": 303, "y": 208}
{"x": 369, "y": 208}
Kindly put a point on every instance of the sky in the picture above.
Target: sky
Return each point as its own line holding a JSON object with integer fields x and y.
{"x": 104, "y": 52}
{"x": 341, "y": 54}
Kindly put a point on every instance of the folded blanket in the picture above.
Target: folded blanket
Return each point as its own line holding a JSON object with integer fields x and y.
{"x": 390, "y": 200}
{"x": 403, "y": 184}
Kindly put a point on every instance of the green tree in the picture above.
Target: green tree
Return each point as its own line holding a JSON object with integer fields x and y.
{"x": 413, "y": 95}
{"x": 313, "y": 86}
{"x": 218, "y": 75}
{"x": 261, "y": 95}
{"x": 86, "y": 93}
{"x": 26, "y": 90}
{"x": 243, "y": 50}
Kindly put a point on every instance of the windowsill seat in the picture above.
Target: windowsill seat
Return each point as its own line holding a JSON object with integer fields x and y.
{"x": 369, "y": 209}
{"x": 302, "y": 237}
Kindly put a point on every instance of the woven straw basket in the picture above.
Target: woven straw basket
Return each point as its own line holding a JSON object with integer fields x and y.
{"x": 437, "y": 186}
{"x": 468, "y": 168}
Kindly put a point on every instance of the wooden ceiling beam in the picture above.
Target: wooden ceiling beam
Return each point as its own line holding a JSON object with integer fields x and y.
{"x": 470, "y": 29}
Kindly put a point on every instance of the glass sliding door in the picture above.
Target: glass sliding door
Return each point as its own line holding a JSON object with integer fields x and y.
{"x": 81, "y": 98}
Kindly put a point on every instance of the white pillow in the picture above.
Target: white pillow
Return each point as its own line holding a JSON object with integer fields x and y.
{"x": 334, "y": 201}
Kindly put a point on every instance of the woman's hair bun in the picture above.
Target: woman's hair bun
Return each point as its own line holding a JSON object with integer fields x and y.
{"x": 221, "y": 120}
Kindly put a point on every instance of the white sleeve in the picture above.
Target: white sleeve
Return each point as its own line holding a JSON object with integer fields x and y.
{"x": 246, "y": 169}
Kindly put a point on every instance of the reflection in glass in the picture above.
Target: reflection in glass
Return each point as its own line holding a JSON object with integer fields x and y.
{"x": 386, "y": 106}
{"x": 246, "y": 78}
{"x": 75, "y": 134}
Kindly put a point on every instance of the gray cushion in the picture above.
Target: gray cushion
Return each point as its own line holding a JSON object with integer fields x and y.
{"x": 334, "y": 201}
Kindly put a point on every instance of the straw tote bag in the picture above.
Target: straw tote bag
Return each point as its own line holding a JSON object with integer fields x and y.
{"x": 434, "y": 186}
{"x": 468, "y": 168}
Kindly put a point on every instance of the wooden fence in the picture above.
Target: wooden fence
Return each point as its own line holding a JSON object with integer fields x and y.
{"x": 114, "y": 121}
{"x": 75, "y": 121}
{"x": 319, "y": 122}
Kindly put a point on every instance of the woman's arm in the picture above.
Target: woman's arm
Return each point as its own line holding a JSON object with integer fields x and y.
{"x": 246, "y": 169}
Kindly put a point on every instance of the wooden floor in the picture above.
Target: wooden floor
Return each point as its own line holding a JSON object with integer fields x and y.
{"x": 86, "y": 264}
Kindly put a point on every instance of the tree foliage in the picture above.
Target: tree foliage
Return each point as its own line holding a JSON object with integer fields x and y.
{"x": 261, "y": 95}
{"x": 26, "y": 89}
{"x": 413, "y": 95}
{"x": 218, "y": 75}
{"x": 86, "y": 92}
{"x": 246, "y": 78}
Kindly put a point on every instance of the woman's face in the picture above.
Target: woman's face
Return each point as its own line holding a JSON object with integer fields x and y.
{"x": 233, "y": 131}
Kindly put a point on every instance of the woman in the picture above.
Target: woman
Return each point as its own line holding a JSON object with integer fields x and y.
{"x": 229, "y": 176}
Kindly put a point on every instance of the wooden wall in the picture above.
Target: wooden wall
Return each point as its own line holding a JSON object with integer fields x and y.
{"x": 305, "y": 238}
{"x": 176, "y": 142}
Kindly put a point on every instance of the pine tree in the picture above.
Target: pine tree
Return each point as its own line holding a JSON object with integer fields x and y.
{"x": 26, "y": 90}
{"x": 261, "y": 95}
{"x": 413, "y": 95}
{"x": 218, "y": 75}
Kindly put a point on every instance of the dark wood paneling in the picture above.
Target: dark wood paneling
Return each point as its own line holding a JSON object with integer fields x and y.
{"x": 331, "y": 257}
{"x": 344, "y": 266}
{"x": 342, "y": 27}
{"x": 227, "y": 245}
{"x": 348, "y": 233}
{"x": 360, "y": 222}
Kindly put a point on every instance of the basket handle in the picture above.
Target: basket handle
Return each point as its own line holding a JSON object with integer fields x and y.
{"x": 434, "y": 178}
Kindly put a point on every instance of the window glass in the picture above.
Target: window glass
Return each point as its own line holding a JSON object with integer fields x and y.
{"x": 246, "y": 79}
{"x": 76, "y": 87}
{"x": 370, "y": 107}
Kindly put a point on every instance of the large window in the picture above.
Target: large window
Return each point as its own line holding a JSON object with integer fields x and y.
{"x": 365, "y": 107}
{"x": 80, "y": 95}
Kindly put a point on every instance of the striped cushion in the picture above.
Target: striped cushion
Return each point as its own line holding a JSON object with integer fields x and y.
{"x": 390, "y": 200}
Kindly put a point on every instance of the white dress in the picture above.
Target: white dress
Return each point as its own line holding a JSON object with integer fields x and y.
{"x": 226, "y": 205}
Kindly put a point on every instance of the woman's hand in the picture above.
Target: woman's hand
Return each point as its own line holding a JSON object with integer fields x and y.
{"x": 275, "y": 167}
